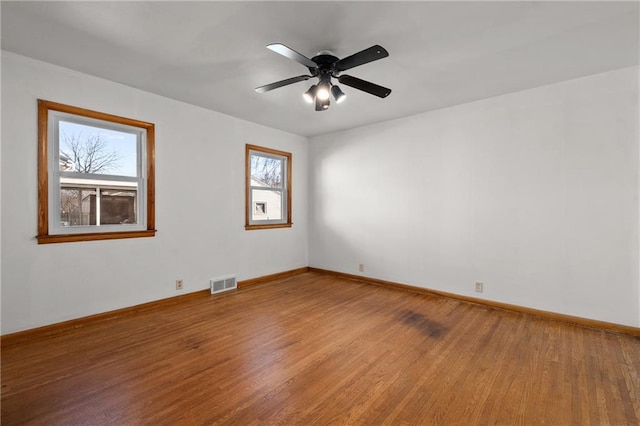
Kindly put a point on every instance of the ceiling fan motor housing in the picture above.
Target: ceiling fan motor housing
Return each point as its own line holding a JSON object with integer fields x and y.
{"x": 325, "y": 65}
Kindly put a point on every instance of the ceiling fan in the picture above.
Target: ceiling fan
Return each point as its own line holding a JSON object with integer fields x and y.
{"x": 325, "y": 66}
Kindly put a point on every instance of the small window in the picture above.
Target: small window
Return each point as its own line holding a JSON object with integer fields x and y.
{"x": 260, "y": 208}
{"x": 268, "y": 187}
{"x": 96, "y": 175}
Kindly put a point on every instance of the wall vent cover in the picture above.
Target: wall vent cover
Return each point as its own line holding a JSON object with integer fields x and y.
{"x": 219, "y": 285}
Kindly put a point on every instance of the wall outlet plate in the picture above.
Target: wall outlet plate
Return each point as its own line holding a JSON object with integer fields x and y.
{"x": 179, "y": 284}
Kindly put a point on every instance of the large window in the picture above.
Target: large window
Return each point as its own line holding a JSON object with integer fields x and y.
{"x": 95, "y": 175}
{"x": 268, "y": 187}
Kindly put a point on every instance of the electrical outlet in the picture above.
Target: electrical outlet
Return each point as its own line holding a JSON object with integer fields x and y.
{"x": 179, "y": 284}
{"x": 479, "y": 286}
{"x": 361, "y": 267}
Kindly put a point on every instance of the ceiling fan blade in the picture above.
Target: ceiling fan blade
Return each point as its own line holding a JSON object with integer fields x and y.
{"x": 281, "y": 83}
{"x": 365, "y": 86}
{"x": 292, "y": 54}
{"x": 363, "y": 57}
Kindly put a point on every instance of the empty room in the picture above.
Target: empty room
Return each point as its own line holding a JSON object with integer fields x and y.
{"x": 318, "y": 212}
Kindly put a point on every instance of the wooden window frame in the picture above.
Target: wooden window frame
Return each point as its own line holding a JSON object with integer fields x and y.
{"x": 44, "y": 237}
{"x": 248, "y": 208}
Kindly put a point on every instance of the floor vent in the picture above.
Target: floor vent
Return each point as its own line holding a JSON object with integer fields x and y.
{"x": 219, "y": 285}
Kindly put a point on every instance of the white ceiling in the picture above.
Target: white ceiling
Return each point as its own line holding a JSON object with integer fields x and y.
{"x": 213, "y": 54}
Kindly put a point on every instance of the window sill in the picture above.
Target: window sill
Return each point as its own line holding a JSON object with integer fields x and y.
{"x": 69, "y": 238}
{"x": 269, "y": 226}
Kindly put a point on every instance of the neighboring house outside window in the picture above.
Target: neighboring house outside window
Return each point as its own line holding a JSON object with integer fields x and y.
{"x": 96, "y": 175}
{"x": 268, "y": 188}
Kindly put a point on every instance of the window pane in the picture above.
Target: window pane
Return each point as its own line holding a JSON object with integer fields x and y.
{"x": 96, "y": 178}
{"x": 117, "y": 207}
{"x": 267, "y": 204}
{"x": 268, "y": 188}
{"x": 90, "y": 149}
{"x": 266, "y": 171}
{"x": 79, "y": 206}
{"x": 75, "y": 206}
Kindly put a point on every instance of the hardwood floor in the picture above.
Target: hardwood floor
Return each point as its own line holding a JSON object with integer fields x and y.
{"x": 316, "y": 349}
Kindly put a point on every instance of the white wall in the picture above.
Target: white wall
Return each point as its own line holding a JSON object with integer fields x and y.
{"x": 534, "y": 193}
{"x": 199, "y": 204}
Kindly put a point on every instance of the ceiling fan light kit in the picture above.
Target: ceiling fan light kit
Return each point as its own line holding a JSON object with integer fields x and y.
{"x": 310, "y": 94}
{"x": 338, "y": 94}
{"x": 326, "y": 66}
{"x": 323, "y": 90}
